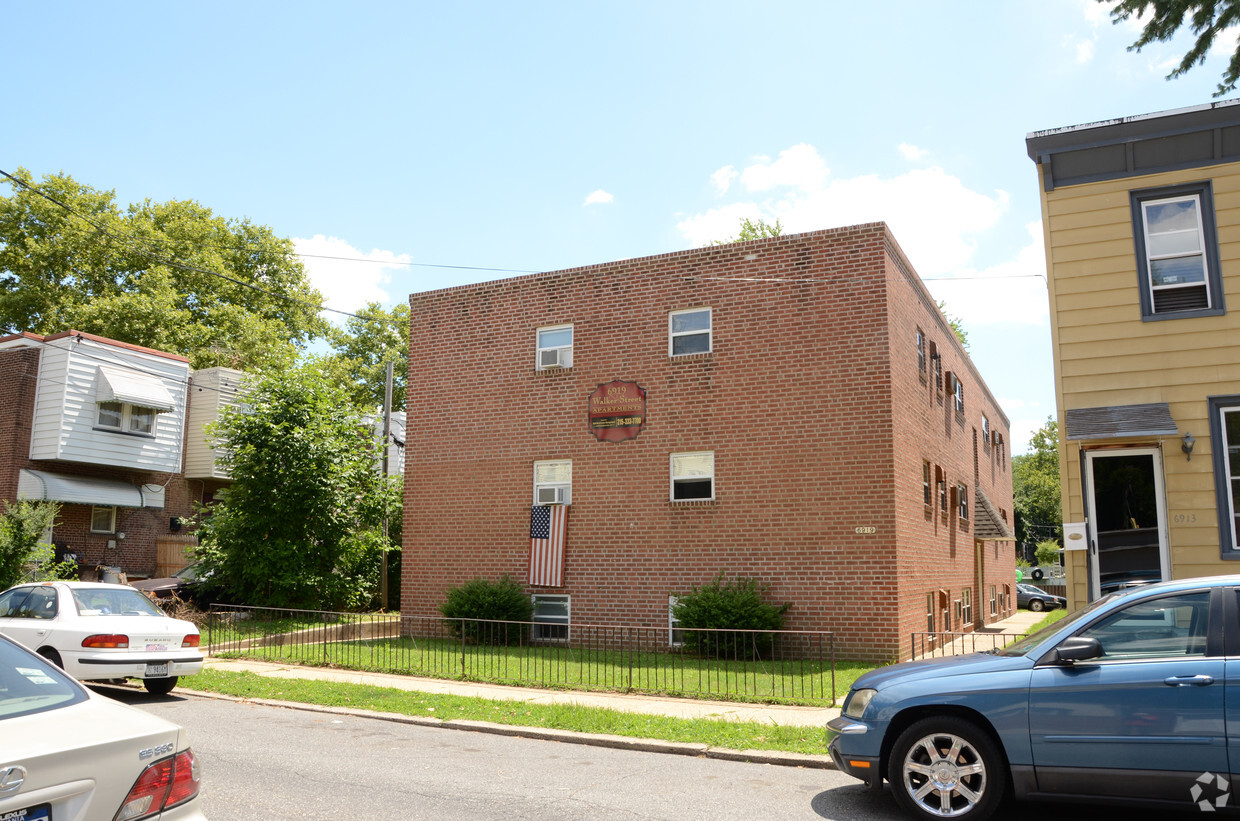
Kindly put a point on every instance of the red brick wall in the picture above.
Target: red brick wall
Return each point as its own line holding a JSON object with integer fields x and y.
{"x": 938, "y": 552}
{"x": 797, "y": 401}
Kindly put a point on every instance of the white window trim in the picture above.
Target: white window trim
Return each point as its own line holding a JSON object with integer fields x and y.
{"x": 127, "y": 417}
{"x": 112, "y": 524}
{"x": 1151, "y": 258}
{"x": 962, "y": 501}
{"x": 671, "y": 470}
{"x": 709, "y": 331}
{"x": 564, "y": 353}
{"x": 673, "y": 625}
{"x": 568, "y": 616}
{"x": 564, "y": 490}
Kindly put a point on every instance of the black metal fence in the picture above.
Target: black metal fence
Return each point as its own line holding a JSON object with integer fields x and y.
{"x": 932, "y": 645}
{"x": 794, "y": 666}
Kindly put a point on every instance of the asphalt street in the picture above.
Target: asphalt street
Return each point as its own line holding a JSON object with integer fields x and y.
{"x": 263, "y": 762}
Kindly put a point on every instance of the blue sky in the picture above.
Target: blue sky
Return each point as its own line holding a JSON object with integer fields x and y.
{"x": 539, "y": 136}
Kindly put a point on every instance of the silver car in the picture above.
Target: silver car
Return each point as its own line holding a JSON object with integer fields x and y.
{"x": 72, "y": 755}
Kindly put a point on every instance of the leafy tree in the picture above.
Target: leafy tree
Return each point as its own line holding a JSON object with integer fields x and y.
{"x": 727, "y": 605}
{"x": 362, "y": 350}
{"x": 22, "y": 549}
{"x": 753, "y": 230}
{"x": 171, "y": 276}
{"x": 1207, "y": 19}
{"x": 300, "y": 526}
{"x": 1047, "y": 552}
{"x": 1035, "y": 486}
{"x": 957, "y": 326}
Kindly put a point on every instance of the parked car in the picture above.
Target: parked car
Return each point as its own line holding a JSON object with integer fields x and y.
{"x": 1122, "y": 701}
{"x": 1124, "y": 579}
{"x": 69, "y": 753}
{"x": 1036, "y": 599}
{"x": 99, "y": 632}
{"x": 180, "y": 584}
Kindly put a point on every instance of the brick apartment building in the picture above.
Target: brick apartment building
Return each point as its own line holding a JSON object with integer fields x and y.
{"x": 793, "y": 409}
{"x": 107, "y": 430}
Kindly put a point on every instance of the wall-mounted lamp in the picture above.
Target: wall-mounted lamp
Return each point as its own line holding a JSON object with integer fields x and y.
{"x": 1187, "y": 445}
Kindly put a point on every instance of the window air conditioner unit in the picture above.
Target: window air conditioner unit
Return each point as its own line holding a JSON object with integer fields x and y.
{"x": 556, "y": 358}
{"x": 553, "y": 496}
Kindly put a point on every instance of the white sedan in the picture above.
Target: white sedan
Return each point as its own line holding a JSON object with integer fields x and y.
{"x": 73, "y": 755}
{"x": 101, "y": 632}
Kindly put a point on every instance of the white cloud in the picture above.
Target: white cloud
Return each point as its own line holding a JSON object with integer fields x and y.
{"x": 1085, "y": 50}
{"x": 912, "y": 152}
{"x": 347, "y": 278}
{"x": 598, "y": 197}
{"x": 798, "y": 167}
{"x": 723, "y": 178}
{"x": 934, "y": 216}
{"x": 1011, "y": 292}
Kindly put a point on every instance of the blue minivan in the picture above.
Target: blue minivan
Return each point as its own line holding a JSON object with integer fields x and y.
{"x": 1129, "y": 701}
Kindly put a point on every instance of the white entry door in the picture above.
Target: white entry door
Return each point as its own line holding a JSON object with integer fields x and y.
{"x": 1127, "y": 510}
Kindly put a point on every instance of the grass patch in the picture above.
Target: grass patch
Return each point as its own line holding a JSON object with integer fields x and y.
{"x": 799, "y": 682}
{"x": 1051, "y": 618}
{"x": 716, "y": 733}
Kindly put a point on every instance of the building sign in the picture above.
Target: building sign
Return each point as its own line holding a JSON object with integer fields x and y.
{"x": 617, "y": 411}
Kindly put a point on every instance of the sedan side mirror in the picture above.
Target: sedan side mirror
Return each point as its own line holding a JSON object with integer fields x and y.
{"x": 1078, "y": 648}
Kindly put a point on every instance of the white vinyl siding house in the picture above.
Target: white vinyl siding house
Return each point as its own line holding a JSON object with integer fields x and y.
{"x": 77, "y": 374}
{"x": 212, "y": 390}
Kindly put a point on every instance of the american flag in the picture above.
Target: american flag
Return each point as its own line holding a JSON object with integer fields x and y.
{"x": 548, "y": 534}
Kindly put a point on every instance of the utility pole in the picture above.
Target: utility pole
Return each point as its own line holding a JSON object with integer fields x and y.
{"x": 387, "y": 448}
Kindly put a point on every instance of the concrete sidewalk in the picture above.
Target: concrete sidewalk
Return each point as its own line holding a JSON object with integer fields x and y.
{"x": 772, "y": 714}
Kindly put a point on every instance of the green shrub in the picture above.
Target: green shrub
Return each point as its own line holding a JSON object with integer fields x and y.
{"x": 480, "y": 600}
{"x": 729, "y": 605}
{"x": 1047, "y": 552}
{"x": 23, "y": 554}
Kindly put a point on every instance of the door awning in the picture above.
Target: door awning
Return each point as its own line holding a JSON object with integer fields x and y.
{"x": 132, "y": 388}
{"x": 989, "y": 526}
{"x": 39, "y": 485}
{"x": 1115, "y": 421}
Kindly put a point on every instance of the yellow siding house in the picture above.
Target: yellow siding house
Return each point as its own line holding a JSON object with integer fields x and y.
{"x": 1141, "y": 220}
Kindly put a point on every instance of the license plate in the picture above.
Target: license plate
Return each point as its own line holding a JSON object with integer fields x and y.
{"x": 42, "y": 812}
{"x": 152, "y": 671}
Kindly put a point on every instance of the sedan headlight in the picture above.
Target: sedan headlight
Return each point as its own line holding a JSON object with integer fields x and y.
{"x": 858, "y": 700}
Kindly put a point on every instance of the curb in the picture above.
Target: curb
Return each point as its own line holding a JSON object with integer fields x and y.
{"x": 646, "y": 745}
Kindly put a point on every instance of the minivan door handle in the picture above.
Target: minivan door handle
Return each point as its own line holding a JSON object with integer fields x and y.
{"x": 1189, "y": 681}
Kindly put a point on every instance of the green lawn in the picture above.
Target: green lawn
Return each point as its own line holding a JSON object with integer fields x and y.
{"x": 577, "y": 668}
{"x": 716, "y": 733}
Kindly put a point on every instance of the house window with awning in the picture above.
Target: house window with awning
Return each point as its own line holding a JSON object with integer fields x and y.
{"x": 128, "y": 400}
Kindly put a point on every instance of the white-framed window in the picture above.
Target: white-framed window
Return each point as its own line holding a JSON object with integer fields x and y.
{"x": 986, "y": 432}
{"x": 962, "y": 501}
{"x": 121, "y": 416}
{"x": 689, "y": 332}
{"x": 1225, "y": 444}
{"x": 102, "y": 519}
{"x": 921, "y": 352}
{"x": 940, "y": 479}
{"x": 994, "y": 601}
{"x": 958, "y": 393}
{"x": 551, "y": 617}
{"x": 936, "y": 363}
{"x": 966, "y": 606}
{"x": 693, "y": 476}
{"x": 675, "y": 636}
{"x": 555, "y": 347}
{"x": 553, "y": 482}
{"x": 925, "y": 483}
{"x": 1177, "y": 252}
{"x": 930, "y": 612}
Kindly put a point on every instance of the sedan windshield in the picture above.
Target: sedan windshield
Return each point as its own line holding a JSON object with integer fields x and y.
{"x": 120, "y": 601}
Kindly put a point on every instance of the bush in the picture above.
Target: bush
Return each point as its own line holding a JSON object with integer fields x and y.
{"x": 479, "y": 601}
{"x": 729, "y": 605}
{"x": 1047, "y": 552}
{"x": 23, "y": 554}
